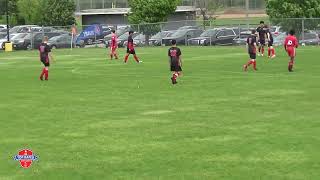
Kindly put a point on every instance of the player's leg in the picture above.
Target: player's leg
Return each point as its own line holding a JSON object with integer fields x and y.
{"x": 46, "y": 75}
{"x": 291, "y": 53}
{"x": 259, "y": 48}
{"x": 43, "y": 72}
{"x": 115, "y": 53}
{"x": 111, "y": 53}
{"x": 262, "y": 47}
{"x": 252, "y": 56}
{"x": 126, "y": 57}
{"x": 273, "y": 52}
{"x": 135, "y": 56}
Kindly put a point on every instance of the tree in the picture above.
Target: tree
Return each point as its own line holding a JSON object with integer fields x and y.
{"x": 58, "y": 12}
{"x": 206, "y": 6}
{"x": 30, "y": 17}
{"x": 280, "y": 10}
{"x": 145, "y": 12}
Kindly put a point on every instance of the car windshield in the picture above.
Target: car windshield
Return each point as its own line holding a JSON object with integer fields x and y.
{"x": 210, "y": 32}
{"x": 157, "y": 36}
{"x": 179, "y": 33}
{"x": 54, "y": 38}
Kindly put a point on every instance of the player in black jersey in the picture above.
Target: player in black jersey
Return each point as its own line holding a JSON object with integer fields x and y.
{"x": 175, "y": 61}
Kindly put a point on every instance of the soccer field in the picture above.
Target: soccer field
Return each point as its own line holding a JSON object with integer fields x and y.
{"x": 96, "y": 119}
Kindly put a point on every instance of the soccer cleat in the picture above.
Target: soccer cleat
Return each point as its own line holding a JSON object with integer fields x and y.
{"x": 259, "y": 54}
{"x": 262, "y": 55}
{"x": 273, "y": 56}
{"x": 41, "y": 78}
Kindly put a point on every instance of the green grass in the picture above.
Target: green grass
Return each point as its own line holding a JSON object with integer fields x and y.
{"x": 97, "y": 119}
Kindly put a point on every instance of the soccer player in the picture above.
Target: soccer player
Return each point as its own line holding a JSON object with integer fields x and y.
{"x": 261, "y": 30}
{"x": 290, "y": 45}
{"x": 251, "y": 44}
{"x": 271, "y": 50}
{"x": 113, "y": 45}
{"x": 45, "y": 58}
{"x": 175, "y": 61}
{"x": 130, "y": 49}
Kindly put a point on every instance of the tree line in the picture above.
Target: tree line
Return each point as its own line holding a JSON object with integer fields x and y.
{"x": 39, "y": 12}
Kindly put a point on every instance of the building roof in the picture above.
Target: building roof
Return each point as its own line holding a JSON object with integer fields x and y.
{"x": 123, "y": 11}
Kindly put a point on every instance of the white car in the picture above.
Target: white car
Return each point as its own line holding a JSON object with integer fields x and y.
{"x": 3, "y": 26}
{"x": 11, "y": 37}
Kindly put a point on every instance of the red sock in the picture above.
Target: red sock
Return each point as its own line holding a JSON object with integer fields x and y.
{"x": 126, "y": 58}
{"x": 269, "y": 51}
{"x": 259, "y": 49}
{"x": 249, "y": 62}
{"x": 254, "y": 65}
{"x": 43, "y": 72}
{"x": 136, "y": 58}
{"x": 273, "y": 51}
{"x": 46, "y": 74}
{"x": 262, "y": 50}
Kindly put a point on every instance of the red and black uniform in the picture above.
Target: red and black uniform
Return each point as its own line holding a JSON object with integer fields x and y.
{"x": 130, "y": 46}
{"x": 174, "y": 53}
{"x": 290, "y": 45}
{"x": 44, "y": 50}
{"x": 262, "y": 35}
{"x": 251, "y": 41}
{"x": 270, "y": 38}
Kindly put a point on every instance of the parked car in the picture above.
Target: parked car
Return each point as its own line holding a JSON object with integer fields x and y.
{"x": 310, "y": 38}
{"x": 5, "y": 39}
{"x": 44, "y": 29}
{"x": 123, "y": 38}
{"x": 157, "y": 39}
{"x": 279, "y": 40}
{"x": 25, "y": 43}
{"x": 139, "y": 40}
{"x": 188, "y": 27}
{"x": 17, "y": 37}
{"x": 62, "y": 41}
{"x": 181, "y": 36}
{"x": 22, "y": 29}
{"x": 120, "y": 31}
{"x": 242, "y": 38}
{"x": 217, "y": 36}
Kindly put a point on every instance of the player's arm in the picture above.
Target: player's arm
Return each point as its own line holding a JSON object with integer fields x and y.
{"x": 180, "y": 61}
{"x": 297, "y": 43}
{"x": 285, "y": 44}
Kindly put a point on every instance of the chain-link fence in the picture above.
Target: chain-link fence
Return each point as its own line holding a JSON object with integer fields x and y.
{"x": 189, "y": 33}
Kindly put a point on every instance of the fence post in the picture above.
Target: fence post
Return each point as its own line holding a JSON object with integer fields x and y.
{"x": 302, "y": 29}
{"x": 31, "y": 39}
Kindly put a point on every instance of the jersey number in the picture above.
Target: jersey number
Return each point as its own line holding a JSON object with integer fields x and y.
{"x": 290, "y": 43}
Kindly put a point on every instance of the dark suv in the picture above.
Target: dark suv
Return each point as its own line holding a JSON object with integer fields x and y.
{"x": 182, "y": 36}
{"x": 25, "y": 43}
{"x": 217, "y": 36}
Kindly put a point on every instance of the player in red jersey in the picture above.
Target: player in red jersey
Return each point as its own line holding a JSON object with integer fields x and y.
{"x": 113, "y": 45}
{"x": 130, "y": 49}
{"x": 261, "y": 31}
{"x": 45, "y": 58}
{"x": 290, "y": 45}
{"x": 251, "y": 44}
{"x": 271, "y": 50}
{"x": 175, "y": 61}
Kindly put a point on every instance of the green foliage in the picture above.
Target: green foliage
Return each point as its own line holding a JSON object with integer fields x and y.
{"x": 150, "y": 11}
{"x": 279, "y": 10}
{"x": 59, "y": 12}
{"x": 30, "y": 17}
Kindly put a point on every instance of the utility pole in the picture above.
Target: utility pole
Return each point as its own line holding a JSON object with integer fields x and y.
{"x": 7, "y": 15}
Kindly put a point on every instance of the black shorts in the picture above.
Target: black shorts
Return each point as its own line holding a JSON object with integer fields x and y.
{"x": 270, "y": 43}
{"x": 175, "y": 67}
{"x": 262, "y": 42}
{"x": 252, "y": 55}
{"x": 131, "y": 51}
{"x": 45, "y": 63}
